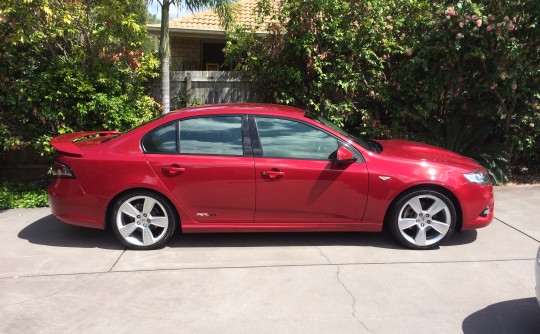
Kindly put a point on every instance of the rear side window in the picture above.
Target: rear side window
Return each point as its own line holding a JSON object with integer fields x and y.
{"x": 220, "y": 135}
{"x": 161, "y": 140}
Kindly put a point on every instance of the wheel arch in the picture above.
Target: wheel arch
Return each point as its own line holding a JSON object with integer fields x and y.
{"x": 110, "y": 206}
{"x": 434, "y": 187}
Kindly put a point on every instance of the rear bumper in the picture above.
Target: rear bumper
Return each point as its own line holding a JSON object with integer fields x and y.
{"x": 70, "y": 204}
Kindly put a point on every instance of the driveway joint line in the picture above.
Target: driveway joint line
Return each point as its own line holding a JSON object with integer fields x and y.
{"x": 263, "y": 267}
{"x": 520, "y": 231}
{"x": 118, "y": 259}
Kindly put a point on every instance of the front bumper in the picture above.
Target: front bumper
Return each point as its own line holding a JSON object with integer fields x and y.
{"x": 475, "y": 199}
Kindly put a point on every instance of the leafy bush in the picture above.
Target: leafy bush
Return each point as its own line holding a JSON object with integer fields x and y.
{"x": 384, "y": 68}
{"x": 23, "y": 195}
{"x": 70, "y": 66}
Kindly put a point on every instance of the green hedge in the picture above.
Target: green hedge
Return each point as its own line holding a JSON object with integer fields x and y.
{"x": 23, "y": 195}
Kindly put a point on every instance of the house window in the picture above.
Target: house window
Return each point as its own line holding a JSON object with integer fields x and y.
{"x": 213, "y": 55}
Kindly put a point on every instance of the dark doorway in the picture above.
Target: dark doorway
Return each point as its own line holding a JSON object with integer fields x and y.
{"x": 213, "y": 56}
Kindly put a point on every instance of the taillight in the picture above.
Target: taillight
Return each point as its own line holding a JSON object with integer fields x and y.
{"x": 61, "y": 170}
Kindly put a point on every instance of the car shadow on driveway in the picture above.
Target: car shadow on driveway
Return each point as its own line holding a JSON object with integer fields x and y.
{"x": 51, "y": 232}
{"x": 512, "y": 316}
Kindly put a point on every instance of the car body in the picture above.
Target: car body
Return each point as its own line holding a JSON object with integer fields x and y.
{"x": 261, "y": 167}
{"x": 537, "y": 275}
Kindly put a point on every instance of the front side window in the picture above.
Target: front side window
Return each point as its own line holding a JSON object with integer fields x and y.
{"x": 219, "y": 135}
{"x": 284, "y": 138}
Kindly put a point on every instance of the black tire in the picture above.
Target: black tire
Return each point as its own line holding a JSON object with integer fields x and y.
{"x": 143, "y": 220}
{"x": 422, "y": 219}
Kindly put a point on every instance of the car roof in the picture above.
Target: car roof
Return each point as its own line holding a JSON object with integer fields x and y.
{"x": 243, "y": 108}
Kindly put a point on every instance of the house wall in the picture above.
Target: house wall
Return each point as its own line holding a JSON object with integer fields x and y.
{"x": 185, "y": 50}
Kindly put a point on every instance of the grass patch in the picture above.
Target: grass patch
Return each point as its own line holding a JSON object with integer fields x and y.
{"x": 23, "y": 194}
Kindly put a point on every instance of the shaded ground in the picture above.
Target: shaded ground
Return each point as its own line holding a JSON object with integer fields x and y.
{"x": 524, "y": 176}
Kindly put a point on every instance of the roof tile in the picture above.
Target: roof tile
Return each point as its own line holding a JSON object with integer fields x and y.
{"x": 209, "y": 20}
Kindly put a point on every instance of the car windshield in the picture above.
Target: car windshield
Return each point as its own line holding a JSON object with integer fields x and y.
{"x": 364, "y": 142}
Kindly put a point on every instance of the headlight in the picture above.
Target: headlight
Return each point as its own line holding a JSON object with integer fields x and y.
{"x": 478, "y": 177}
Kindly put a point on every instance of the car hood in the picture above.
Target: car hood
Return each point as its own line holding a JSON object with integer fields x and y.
{"x": 425, "y": 153}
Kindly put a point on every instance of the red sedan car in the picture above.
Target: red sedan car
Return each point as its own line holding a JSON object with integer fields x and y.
{"x": 257, "y": 167}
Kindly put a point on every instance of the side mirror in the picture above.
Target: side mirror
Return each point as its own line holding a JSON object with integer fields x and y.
{"x": 344, "y": 156}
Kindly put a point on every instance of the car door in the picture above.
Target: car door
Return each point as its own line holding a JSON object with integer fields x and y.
{"x": 296, "y": 179}
{"x": 207, "y": 164}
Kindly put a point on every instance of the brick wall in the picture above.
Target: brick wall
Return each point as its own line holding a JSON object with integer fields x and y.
{"x": 185, "y": 50}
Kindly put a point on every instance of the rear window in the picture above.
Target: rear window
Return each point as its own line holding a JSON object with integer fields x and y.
{"x": 161, "y": 140}
{"x": 218, "y": 135}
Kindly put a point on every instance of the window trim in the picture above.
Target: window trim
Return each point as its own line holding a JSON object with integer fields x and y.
{"x": 247, "y": 150}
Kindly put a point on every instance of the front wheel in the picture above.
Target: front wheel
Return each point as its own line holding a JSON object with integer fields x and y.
{"x": 143, "y": 220}
{"x": 423, "y": 219}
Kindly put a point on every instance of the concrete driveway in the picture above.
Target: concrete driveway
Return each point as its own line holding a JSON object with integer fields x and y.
{"x": 58, "y": 278}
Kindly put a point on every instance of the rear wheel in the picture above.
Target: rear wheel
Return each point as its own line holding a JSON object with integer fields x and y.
{"x": 423, "y": 219}
{"x": 143, "y": 220}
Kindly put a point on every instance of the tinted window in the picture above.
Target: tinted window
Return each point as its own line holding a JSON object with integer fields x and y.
{"x": 161, "y": 140}
{"x": 220, "y": 135}
{"x": 282, "y": 138}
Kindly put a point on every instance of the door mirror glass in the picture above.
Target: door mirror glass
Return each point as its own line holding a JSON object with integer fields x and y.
{"x": 344, "y": 156}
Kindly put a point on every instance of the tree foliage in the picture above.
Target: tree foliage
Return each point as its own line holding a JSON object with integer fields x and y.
{"x": 430, "y": 71}
{"x": 72, "y": 65}
{"x": 225, "y": 11}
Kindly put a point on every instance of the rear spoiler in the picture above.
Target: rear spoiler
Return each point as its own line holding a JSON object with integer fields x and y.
{"x": 64, "y": 143}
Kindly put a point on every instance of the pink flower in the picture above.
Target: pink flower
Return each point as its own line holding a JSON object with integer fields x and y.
{"x": 510, "y": 26}
{"x": 491, "y": 17}
{"x": 506, "y": 18}
{"x": 514, "y": 86}
{"x": 490, "y": 27}
{"x": 478, "y": 23}
{"x": 450, "y": 11}
{"x": 475, "y": 17}
{"x": 499, "y": 24}
{"x": 461, "y": 24}
{"x": 409, "y": 52}
{"x": 498, "y": 32}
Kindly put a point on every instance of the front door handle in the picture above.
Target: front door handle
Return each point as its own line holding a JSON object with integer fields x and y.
{"x": 173, "y": 170}
{"x": 272, "y": 175}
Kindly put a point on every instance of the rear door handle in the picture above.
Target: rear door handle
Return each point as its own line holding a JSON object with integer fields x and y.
{"x": 173, "y": 170}
{"x": 272, "y": 175}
